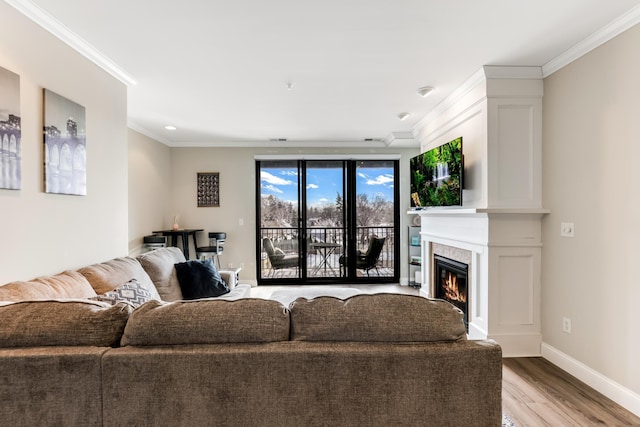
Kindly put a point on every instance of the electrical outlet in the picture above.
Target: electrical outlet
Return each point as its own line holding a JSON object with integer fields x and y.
{"x": 230, "y": 265}
{"x": 566, "y": 325}
{"x": 240, "y": 221}
{"x": 566, "y": 229}
{"x": 242, "y": 265}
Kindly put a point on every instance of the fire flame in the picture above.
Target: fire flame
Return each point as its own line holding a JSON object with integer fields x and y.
{"x": 451, "y": 290}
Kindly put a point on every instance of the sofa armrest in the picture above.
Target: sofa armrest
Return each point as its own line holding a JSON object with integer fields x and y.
{"x": 230, "y": 277}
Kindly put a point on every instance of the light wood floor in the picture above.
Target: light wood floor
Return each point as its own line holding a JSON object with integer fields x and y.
{"x": 537, "y": 393}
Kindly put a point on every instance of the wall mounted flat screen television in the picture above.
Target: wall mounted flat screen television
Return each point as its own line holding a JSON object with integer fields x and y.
{"x": 436, "y": 176}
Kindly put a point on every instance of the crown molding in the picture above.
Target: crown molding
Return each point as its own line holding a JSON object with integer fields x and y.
{"x": 603, "y": 35}
{"x": 281, "y": 144}
{"x": 59, "y": 30}
{"x": 146, "y": 132}
{"x": 512, "y": 72}
{"x": 401, "y": 139}
{"x": 467, "y": 86}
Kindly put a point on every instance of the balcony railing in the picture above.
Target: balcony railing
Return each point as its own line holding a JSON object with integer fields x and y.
{"x": 287, "y": 240}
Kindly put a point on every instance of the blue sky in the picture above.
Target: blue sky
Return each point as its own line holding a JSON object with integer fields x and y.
{"x": 324, "y": 183}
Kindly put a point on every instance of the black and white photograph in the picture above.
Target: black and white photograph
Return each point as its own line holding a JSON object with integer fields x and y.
{"x": 10, "y": 132}
{"x": 65, "y": 146}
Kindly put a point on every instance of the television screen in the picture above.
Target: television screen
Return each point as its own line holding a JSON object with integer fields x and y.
{"x": 436, "y": 176}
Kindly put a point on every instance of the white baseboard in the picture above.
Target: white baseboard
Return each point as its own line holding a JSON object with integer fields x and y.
{"x": 624, "y": 397}
{"x": 518, "y": 345}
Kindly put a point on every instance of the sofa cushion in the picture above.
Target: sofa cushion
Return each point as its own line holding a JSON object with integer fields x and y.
{"x": 68, "y": 284}
{"x": 159, "y": 265}
{"x": 207, "y": 322}
{"x": 62, "y": 323}
{"x": 376, "y": 318}
{"x": 133, "y": 292}
{"x": 200, "y": 279}
{"x": 107, "y": 276}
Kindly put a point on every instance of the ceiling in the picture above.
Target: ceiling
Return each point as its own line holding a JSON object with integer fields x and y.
{"x": 314, "y": 72}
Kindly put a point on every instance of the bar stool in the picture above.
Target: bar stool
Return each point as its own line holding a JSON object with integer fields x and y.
{"x": 154, "y": 242}
{"x": 215, "y": 248}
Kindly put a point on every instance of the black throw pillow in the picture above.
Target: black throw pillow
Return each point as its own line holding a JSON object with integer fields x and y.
{"x": 200, "y": 279}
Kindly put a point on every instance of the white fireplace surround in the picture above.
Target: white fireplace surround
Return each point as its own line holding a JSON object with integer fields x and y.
{"x": 503, "y": 283}
{"x": 498, "y": 114}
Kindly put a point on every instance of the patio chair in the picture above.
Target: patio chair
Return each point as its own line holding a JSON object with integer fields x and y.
{"x": 367, "y": 260}
{"x": 277, "y": 258}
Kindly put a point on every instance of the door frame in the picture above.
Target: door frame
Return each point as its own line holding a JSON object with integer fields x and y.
{"x": 350, "y": 232}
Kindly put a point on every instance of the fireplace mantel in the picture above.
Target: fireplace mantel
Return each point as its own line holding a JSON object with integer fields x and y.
{"x": 504, "y": 280}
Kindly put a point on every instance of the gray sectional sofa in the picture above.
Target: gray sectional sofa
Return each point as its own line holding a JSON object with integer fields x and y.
{"x": 367, "y": 360}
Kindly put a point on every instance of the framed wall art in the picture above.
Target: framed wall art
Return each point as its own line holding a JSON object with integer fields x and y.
{"x": 10, "y": 131}
{"x": 65, "y": 146}
{"x": 208, "y": 189}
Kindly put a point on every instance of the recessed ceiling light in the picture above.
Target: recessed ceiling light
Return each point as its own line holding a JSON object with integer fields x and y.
{"x": 403, "y": 116}
{"x": 425, "y": 91}
{"x": 169, "y": 127}
{"x": 289, "y": 85}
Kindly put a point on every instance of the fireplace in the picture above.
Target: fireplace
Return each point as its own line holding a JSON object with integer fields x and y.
{"x": 450, "y": 283}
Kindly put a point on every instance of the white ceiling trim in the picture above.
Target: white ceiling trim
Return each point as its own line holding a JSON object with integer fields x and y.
{"x": 474, "y": 80}
{"x": 268, "y": 144}
{"x": 284, "y": 144}
{"x": 146, "y": 133}
{"x": 55, "y": 27}
{"x": 603, "y": 35}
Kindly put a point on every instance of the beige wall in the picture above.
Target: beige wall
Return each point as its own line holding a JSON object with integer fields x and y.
{"x": 237, "y": 196}
{"x": 46, "y": 233}
{"x": 591, "y": 166}
{"x": 149, "y": 188}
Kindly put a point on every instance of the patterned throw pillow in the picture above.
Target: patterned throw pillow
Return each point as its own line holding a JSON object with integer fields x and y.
{"x": 133, "y": 292}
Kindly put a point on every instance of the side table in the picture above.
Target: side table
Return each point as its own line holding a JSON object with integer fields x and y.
{"x": 235, "y": 272}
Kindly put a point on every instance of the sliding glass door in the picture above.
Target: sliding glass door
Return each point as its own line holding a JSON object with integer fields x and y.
{"x": 324, "y": 218}
{"x": 326, "y": 221}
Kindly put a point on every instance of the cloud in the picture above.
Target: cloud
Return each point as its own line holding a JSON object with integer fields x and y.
{"x": 273, "y": 188}
{"x": 314, "y": 186}
{"x": 289, "y": 173}
{"x": 381, "y": 180}
{"x": 361, "y": 175}
{"x": 274, "y": 180}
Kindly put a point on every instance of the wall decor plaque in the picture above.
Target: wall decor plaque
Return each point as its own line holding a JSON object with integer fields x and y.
{"x": 208, "y": 189}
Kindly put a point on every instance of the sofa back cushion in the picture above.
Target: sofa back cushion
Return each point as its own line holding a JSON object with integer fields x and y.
{"x": 107, "y": 276}
{"x": 68, "y": 284}
{"x": 376, "y": 318}
{"x": 62, "y": 323}
{"x": 207, "y": 322}
{"x": 159, "y": 265}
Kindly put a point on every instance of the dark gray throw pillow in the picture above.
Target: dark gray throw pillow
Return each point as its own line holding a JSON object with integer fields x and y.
{"x": 200, "y": 279}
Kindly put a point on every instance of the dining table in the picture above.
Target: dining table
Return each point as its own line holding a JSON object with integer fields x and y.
{"x": 184, "y": 233}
